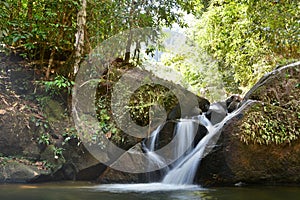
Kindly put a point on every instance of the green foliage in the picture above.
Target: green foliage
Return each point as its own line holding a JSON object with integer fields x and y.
{"x": 200, "y": 73}
{"x": 44, "y": 139}
{"x": 58, "y": 152}
{"x": 128, "y": 14}
{"x": 249, "y": 38}
{"x": 69, "y": 134}
{"x": 58, "y": 85}
{"x": 267, "y": 124}
{"x": 146, "y": 97}
{"x": 138, "y": 107}
{"x": 3, "y": 160}
{"x": 38, "y": 27}
{"x": 45, "y": 29}
{"x": 108, "y": 127}
{"x": 39, "y": 122}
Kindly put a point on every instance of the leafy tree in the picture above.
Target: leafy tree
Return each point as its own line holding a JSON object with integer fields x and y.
{"x": 41, "y": 30}
{"x": 112, "y": 17}
{"x": 45, "y": 30}
{"x": 249, "y": 37}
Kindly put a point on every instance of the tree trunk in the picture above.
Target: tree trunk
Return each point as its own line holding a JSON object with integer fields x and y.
{"x": 128, "y": 47}
{"x": 50, "y": 64}
{"x": 79, "y": 43}
{"x": 29, "y": 14}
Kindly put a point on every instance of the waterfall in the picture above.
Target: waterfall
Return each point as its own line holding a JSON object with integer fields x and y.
{"x": 152, "y": 156}
{"x": 184, "y": 169}
{"x": 185, "y": 131}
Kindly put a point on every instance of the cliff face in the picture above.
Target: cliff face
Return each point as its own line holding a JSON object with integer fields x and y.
{"x": 261, "y": 144}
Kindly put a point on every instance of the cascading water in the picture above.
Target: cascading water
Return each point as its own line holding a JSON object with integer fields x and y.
{"x": 184, "y": 169}
{"x": 186, "y": 132}
{"x": 152, "y": 156}
{"x": 181, "y": 174}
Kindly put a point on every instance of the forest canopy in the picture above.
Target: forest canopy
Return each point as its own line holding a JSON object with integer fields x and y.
{"x": 244, "y": 38}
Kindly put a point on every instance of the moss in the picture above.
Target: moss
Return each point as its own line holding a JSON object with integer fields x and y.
{"x": 276, "y": 119}
{"x": 267, "y": 124}
{"x": 138, "y": 107}
{"x": 53, "y": 110}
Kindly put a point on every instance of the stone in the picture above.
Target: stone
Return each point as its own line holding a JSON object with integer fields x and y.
{"x": 233, "y": 161}
{"x": 233, "y": 102}
{"x": 217, "y": 112}
{"x": 17, "y": 172}
{"x": 261, "y": 144}
{"x": 202, "y": 106}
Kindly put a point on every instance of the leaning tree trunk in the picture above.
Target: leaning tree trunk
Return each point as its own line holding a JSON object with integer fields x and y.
{"x": 79, "y": 43}
{"x": 128, "y": 46}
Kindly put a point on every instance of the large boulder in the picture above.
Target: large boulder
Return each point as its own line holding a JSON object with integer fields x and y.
{"x": 132, "y": 159}
{"x": 261, "y": 143}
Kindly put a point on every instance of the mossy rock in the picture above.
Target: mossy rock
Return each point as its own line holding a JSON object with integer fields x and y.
{"x": 15, "y": 171}
{"x": 265, "y": 124}
{"x": 261, "y": 144}
{"x": 279, "y": 88}
{"x": 49, "y": 156}
{"x": 276, "y": 116}
{"x": 250, "y": 157}
{"x": 53, "y": 110}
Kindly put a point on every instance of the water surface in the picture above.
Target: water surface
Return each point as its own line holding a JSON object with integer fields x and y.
{"x": 88, "y": 191}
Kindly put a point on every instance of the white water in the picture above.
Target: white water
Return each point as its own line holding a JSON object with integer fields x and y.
{"x": 186, "y": 132}
{"x": 154, "y": 158}
{"x": 184, "y": 169}
{"x": 144, "y": 187}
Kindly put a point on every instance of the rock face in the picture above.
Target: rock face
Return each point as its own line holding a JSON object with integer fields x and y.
{"x": 31, "y": 143}
{"x": 203, "y": 106}
{"x": 261, "y": 144}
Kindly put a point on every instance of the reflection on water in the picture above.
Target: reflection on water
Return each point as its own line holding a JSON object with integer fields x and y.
{"x": 83, "y": 190}
{"x": 145, "y": 188}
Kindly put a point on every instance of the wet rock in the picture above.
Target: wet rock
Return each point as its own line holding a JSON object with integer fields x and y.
{"x": 233, "y": 102}
{"x": 17, "y": 172}
{"x": 233, "y": 160}
{"x": 261, "y": 144}
{"x": 134, "y": 166}
{"x": 217, "y": 112}
{"x": 166, "y": 135}
{"x": 182, "y": 112}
